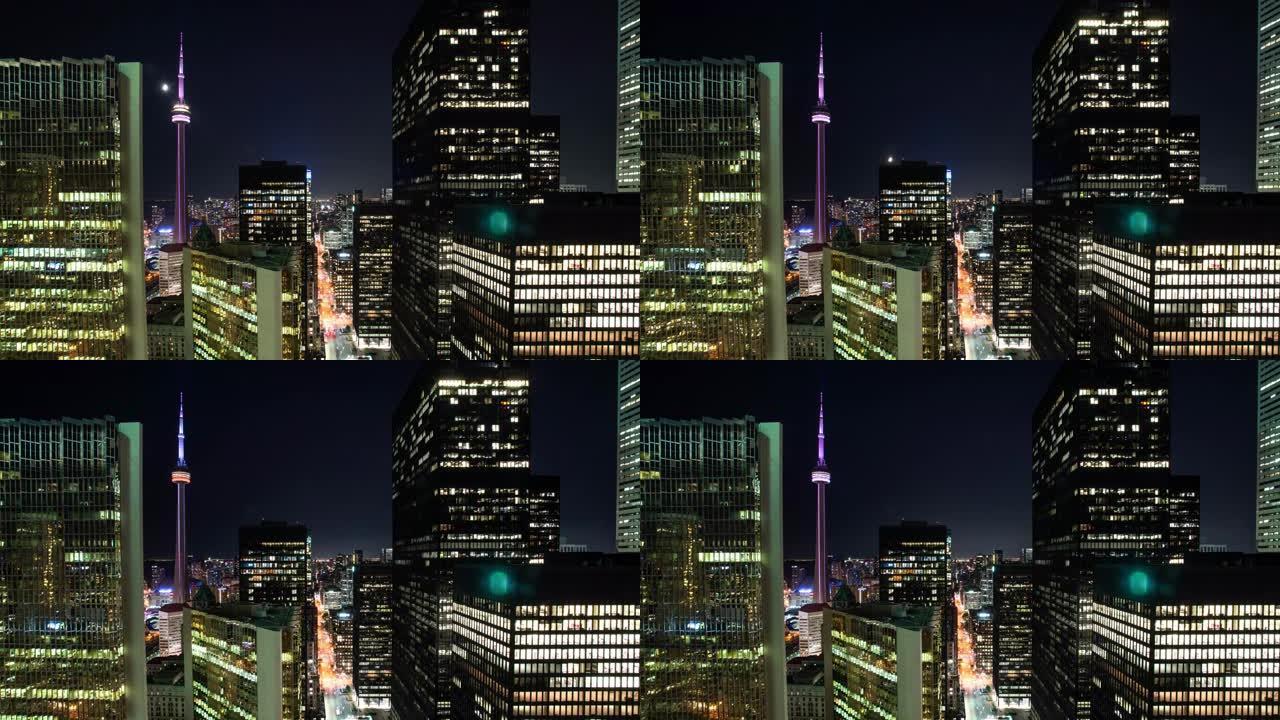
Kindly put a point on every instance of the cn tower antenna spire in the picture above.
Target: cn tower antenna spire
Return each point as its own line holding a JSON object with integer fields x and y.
{"x": 822, "y": 70}
{"x": 182, "y": 437}
{"x": 182, "y": 74}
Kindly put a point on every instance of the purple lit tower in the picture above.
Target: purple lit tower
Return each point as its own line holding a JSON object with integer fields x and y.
{"x": 181, "y": 118}
{"x": 822, "y": 118}
{"x": 821, "y": 477}
{"x": 181, "y": 477}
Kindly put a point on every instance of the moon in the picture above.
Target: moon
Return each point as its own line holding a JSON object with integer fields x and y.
{"x": 164, "y": 87}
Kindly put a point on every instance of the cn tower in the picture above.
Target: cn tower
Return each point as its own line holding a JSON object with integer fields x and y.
{"x": 181, "y": 477}
{"x": 821, "y": 478}
{"x": 181, "y": 118}
{"x": 822, "y": 118}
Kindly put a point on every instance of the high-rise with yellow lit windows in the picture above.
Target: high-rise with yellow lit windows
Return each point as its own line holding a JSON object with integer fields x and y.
{"x": 71, "y": 265}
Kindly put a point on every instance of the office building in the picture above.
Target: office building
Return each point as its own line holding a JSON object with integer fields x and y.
{"x": 981, "y": 272}
{"x": 1187, "y": 281}
{"x": 1184, "y": 157}
{"x": 245, "y": 302}
{"x": 1011, "y": 645}
{"x": 1101, "y": 127}
{"x": 1189, "y": 640}
{"x": 342, "y": 276}
{"x": 466, "y": 136}
{"x": 166, "y": 328}
{"x": 374, "y": 235}
{"x": 170, "y": 262}
{"x": 560, "y": 279}
{"x": 580, "y": 611}
{"x": 1268, "y": 174}
{"x": 712, "y": 285}
{"x": 1099, "y": 493}
{"x": 915, "y": 563}
{"x": 71, "y": 643}
{"x": 807, "y": 329}
{"x": 1267, "y": 535}
{"x": 628, "y": 162}
{"x": 245, "y": 661}
{"x": 983, "y": 632}
{"x": 806, "y": 693}
{"x": 72, "y": 280}
{"x": 710, "y": 526}
{"x": 809, "y": 624}
{"x": 886, "y": 301}
{"x": 811, "y": 262}
{"x": 342, "y": 629}
{"x": 627, "y": 518}
{"x": 884, "y": 661}
{"x": 371, "y": 639}
{"x": 170, "y": 625}
{"x": 275, "y": 210}
{"x": 544, "y": 157}
{"x": 275, "y": 564}
{"x": 1011, "y": 276}
{"x": 461, "y": 491}
{"x": 915, "y": 202}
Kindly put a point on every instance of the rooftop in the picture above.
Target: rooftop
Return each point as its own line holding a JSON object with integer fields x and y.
{"x": 267, "y": 257}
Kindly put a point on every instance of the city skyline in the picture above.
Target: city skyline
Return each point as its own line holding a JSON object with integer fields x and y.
{"x": 338, "y": 486}
{"x": 891, "y": 467}
{"x": 327, "y": 96}
{"x": 981, "y": 129}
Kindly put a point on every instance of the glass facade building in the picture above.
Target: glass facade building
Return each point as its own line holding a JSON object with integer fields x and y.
{"x": 71, "y": 573}
{"x": 245, "y": 302}
{"x": 885, "y": 302}
{"x": 558, "y": 639}
{"x": 1267, "y": 534}
{"x": 244, "y": 661}
{"x": 275, "y": 564}
{"x": 1184, "y": 157}
{"x": 1199, "y": 280}
{"x": 1190, "y": 640}
{"x": 712, "y": 285}
{"x": 71, "y": 265}
{"x": 560, "y": 279}
{"x": 1011, "y": 282}
{"x": 915, "y": 564}
{"x": 374, "y": 234}
{"x": 1101, "y": 491}
{"x": 461, "y": 490}
{"x": 884, "y": 661}
{"x": 627, "y": 519}
{"x": 1101, "y": 131}
{"x": 1268, "y": 96}
{"x": 711, "y": 572}
{"x": 628, "y": 162}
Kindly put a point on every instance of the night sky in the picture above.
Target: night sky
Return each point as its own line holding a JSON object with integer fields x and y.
{"x": 951, "y": 442}
{"x": 310, "y": 82}
{"x": 311, "y": 443}
{"x": 950, "y": 82}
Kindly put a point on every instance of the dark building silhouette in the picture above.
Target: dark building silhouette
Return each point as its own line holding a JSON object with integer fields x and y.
{"x": 373, "y": 236}
{"x": 1011, "y": 283}
{"x": 371, "y": 642}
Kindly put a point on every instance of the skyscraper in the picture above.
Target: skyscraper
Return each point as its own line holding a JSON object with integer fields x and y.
{"x": 245, "y": 302}
{"x": 1101, "y": 490}
{"x": 371, "y": 644}
{"x": 886, "y": 301}
{"x": 171, "y": 255}
{"x": 461, "y": 131}
{"x": 556, "y": 279}
{"x": 1187, "y": 640}
{"x": 1268, "y": 512}
{"x": 915, "y": 209}
{"x": 373, "y": 240}
{"x": 1268, "y": 95}
{"x": 884, "y": 661}
{"x": 821, "y": 477}
{"x": 181, "y": 478}
{"x": 461, "y": 491}
{"x": 627, "y": 519}
{"x": 711, "y": 570}
{"x": 915, "y": 563}
{"x": 628, "y": 167}
{"x": 71, "y": 644}
{"x": 1011, "y": 664}
{"x": 1101, "y": 109}
{"x": 1011, "y": 282}
{"x": 712, "y": 285}
{"x": 275, "y": 210}
{"x": 71, "y": 277}
{"x": 582, "y": 609}
{"x": 821, "y": 118}
{"x": 245, "y": 660}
